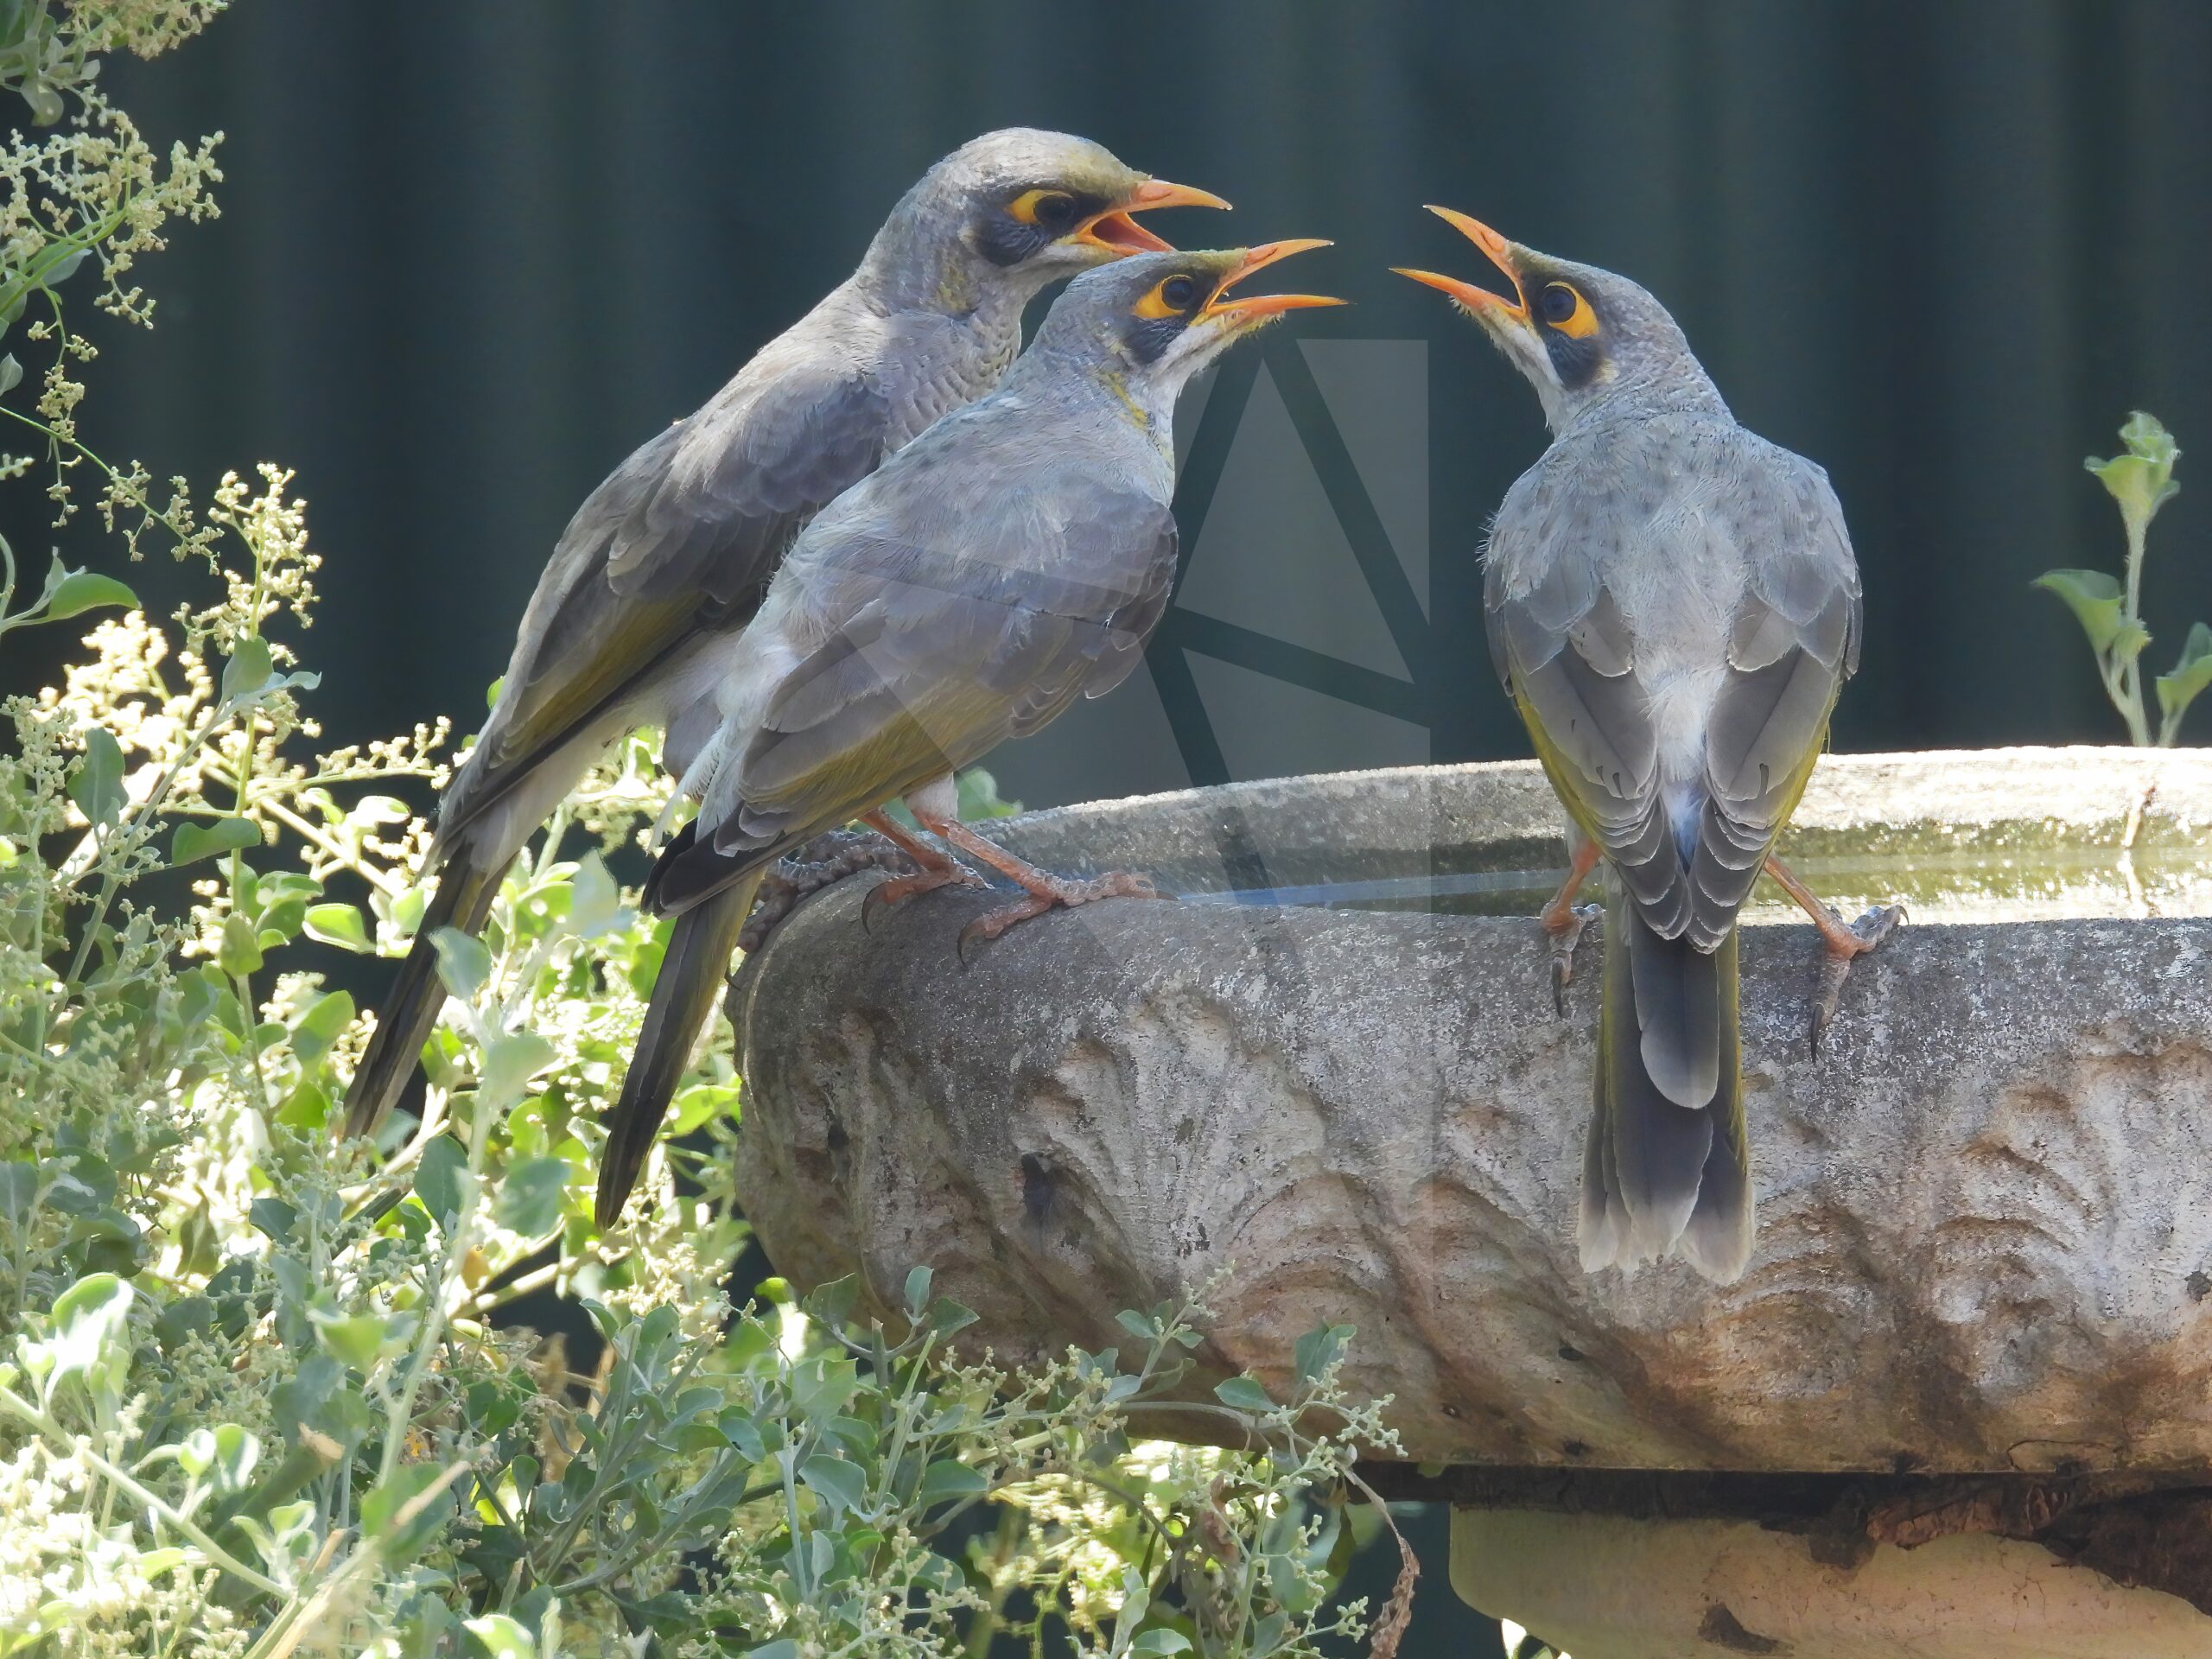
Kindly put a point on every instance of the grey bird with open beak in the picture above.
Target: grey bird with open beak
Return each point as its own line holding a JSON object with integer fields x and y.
{"x": 1012, "y": 559}
{"x": 1673, "y": 604}
{"x": 665, "y": 562}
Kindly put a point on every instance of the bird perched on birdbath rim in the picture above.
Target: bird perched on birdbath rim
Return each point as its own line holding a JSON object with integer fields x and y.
{"x": 1673, "y": 605}
{"x": 1012, "y": 559}
{"x": 663, "y": 566}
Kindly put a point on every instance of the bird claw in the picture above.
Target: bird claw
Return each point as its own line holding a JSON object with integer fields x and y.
{"x": 897, "y": 891}
{"x": 1053, "y": 893}
{"x": 823, "y": 861}
{"x": 1843, "y": 945}
{"x": 1565, "y": 937}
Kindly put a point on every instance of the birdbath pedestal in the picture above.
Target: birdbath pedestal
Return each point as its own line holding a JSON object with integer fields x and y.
{"x": 1960, "y": 1404}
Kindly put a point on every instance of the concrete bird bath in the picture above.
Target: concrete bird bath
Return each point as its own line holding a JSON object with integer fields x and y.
{"x": 1962, "y": 1402}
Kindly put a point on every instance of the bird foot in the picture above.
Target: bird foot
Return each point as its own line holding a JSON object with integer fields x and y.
{"x": 1841, "y": 946}
{"x": 1566, "y": 934}
{"x": 823, "y": 861}
{"x": 897, "y": 891}
{"x": 1045, "y": 892}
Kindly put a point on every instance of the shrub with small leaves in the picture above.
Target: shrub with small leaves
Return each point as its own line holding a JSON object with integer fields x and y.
{"x": 2140, "y": 480}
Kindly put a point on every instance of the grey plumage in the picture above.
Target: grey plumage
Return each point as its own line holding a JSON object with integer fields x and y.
{"x": 1010, "y": 560}
{"x": 666, "y": 561}
{"x": 1673, "y": 604}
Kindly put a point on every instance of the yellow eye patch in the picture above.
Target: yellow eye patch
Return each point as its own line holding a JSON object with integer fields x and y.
{"x": 1170, "y": 296}
{"x": 1564, "y": 308}
{"x": 1033, "y": 206}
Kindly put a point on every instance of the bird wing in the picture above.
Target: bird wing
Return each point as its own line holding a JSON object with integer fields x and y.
{"x": 1792, "y": 643}
{"x": 952, "y": 632}
{"x": 680, "y": 541}
{"x": 1569, "y": 659}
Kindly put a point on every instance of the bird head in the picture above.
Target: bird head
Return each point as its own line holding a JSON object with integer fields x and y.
{"x": 1155, "y": 320}
{"x": 1579, "y": 333}
{"x": 1020, "y": 208}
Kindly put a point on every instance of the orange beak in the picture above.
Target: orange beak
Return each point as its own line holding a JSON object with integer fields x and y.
{"x": 1259, "y": 306}
{"x": 1117, "y": 232}
{"x": 1501, "y": 254}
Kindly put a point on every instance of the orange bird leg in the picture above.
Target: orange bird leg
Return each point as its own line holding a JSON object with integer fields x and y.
{"x": 1841, "y": 943}
{"x": 1043, "y": 890}
{"x": 932, "y": 869}
{"x": 1565, "y": 922}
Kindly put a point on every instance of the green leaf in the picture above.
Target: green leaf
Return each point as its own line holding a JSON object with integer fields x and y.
{"x": 1320, "y": 1349}
{"x": 501, "y": 1636}
{"x": 510, "y": 1060}
{"x": 1137, "y": 1325}
{"x": 1159, "y": 1639}
{"x": 194, "y": 842}
{"x": 11, "y": 373}
{"x": 2191, "y": 674}
{"x": 917, "y": 1291}
{"x": 248, "y": 670}
{"x": 92, "y": 1336}
{"x": 1244, "y": 1394}
{"x": 321, "y": 1026}
{"x": 530, "y": 1201}
{"x": 384, "y": 1521}
{"x": 842, "y": 1484}
{"x": 240, "y": 949}
{"x": 2095, "y": 598}
{"x": 359, "y": 1339}
{"x": 226, "y": 1451}
{"x": 96, "y": 785}
{"x": 946, "y": 1479}
{"x": 594, "y": 900}
{"x": 85, "y": 590}
{"x": 463, "y": 963}
{"x": 2141, "y": 480}
{"x": 339, "y": 924}
{"x": 785, "y": 1649}
{"x": 442, "y": 1179}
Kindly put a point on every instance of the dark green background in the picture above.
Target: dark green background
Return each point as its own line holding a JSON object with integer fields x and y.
{"x": 473, "y": 254}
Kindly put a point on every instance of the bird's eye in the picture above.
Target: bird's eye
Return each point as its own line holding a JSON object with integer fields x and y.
{"x": 1048, "y": 210}
{"x": 1567, "y": 311}
{"x": 1170, "y": 296}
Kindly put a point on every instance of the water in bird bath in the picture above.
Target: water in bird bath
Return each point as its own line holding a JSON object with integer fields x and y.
{"x": 1935, "y": 883}
{"x": 1986, "y": 835}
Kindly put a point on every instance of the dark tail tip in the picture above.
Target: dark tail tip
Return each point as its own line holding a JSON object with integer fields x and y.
{"x": 1659, "y": 1176}
{"x": 684, "y": 993}
{"x": 409, "y": 1012}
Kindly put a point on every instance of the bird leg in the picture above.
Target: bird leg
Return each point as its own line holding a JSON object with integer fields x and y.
{"x": 1843, "y": 943}
{"x": 932, "y": 869}
{"x": 822, "y": 862}
{"x": 1044, "y": 890}
{"x": 1564, "y": 920}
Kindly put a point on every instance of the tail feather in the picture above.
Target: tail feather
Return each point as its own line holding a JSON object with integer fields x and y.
{"x": 690, "y": 979}
{"x": 467, "y": 887}
{"x": 1665, "y": 1166}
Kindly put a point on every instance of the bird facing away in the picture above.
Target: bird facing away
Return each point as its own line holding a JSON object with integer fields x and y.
{"x": 1673, "y": 605}
{"x": 1013, "y": 558}
{"x": 666, "y": 561}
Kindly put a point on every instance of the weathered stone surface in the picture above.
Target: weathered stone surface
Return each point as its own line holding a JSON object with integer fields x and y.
{"x": 1986, "y": 1212}
{"x": 1607, "y": 1588}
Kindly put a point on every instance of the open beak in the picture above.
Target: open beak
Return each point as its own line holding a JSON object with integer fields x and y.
{"x": 1116, "y": 230}
{"x": 1481, "y": 302}
{"x": 1244, "y": 312}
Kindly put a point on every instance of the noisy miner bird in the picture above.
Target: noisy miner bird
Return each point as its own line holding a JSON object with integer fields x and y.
{"x": 665, "y": 563}
{"x": 1013, "y": 558}
{"x": 1673, "y": 604}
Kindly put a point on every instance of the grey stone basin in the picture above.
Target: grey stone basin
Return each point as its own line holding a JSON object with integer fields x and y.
{"x": 1985, "y": 1212}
